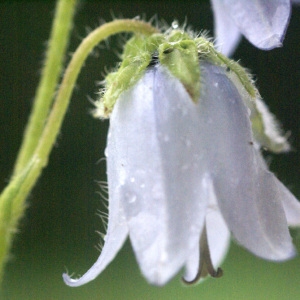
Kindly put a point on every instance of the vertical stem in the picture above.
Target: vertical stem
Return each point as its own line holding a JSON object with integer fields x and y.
{"x": 58, "y": 42}
{"x": 12, "y": 200}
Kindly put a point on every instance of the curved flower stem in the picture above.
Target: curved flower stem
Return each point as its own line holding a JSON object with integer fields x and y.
{"x": 58, "y": 41}
{"x": 71, "y": 74}
{"x": 12, "y": 200}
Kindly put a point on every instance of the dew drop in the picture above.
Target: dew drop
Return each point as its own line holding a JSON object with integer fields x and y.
{"x": 184, "y": 167}
{"x": 132, "y": 199}
{"x": 164, "y": 256}
{"x": 166, "y": 138}
{"x": 188, "y": 143}
{"x": 132, "y": 179}
{"x": 174, "y": 24}
{"x": 106, "y": 152}
{"x": 184, "y": 111}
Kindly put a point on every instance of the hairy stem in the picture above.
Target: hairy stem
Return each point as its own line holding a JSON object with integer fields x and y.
{"x": 58, "y": 42}
{"x": 12, "y": 201}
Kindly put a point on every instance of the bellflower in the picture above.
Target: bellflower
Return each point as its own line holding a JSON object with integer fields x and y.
{"x": 262, "y": 22}
{"x": 184, "y": 166}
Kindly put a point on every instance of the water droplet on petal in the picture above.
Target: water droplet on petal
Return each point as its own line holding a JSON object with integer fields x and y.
{"x": 106, "y": 152}
{"x": 164, "y": 256}
{"x": 132, "y": 179}
{"x": 132, "y": 199}
{"x": 175, "y": 25}
{"x": 166, "y": 138}
{"x": 184, "y": 167}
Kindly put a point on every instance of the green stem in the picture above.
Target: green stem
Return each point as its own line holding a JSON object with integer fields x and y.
{"x": 12, "y": 200}
{"x": 71, "y": 74}
{"x": 58, "y": 41}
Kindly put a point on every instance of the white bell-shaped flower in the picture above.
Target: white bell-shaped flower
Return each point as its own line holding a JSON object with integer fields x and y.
{"x": 183, "y": 175}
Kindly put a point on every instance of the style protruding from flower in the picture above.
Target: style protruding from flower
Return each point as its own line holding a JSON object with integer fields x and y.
{"x": 184, "y": 166}
{"x": 262, "y": 22}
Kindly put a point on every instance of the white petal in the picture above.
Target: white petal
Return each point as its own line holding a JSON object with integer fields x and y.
{"x": 161, "y": 168}
{"x": 262, "y": 22}
{"x": 192, "y": 265}
{"x": 266, "y": 128}
{"x": 290, "y": 204}
{"x": 249, "y": 201}
{"x": 226, "y": 33}
{"x": 116, "y": 228}
{"x": 217, "y": 233}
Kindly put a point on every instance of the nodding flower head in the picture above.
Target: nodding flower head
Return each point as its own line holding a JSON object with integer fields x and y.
{"x": 184, "y": 166}
{"x": 262, "y": 22}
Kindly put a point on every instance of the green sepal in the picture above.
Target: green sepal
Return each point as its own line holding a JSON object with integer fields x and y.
{"x": 207, "y": 52}
{"x": 130, "y": 70}
{"x": 177, "y": 51}
{"x": 136, "y": 57}
{"x": 181, "y": 59}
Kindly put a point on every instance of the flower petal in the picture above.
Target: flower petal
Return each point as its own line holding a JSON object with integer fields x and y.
{"x": 290, "y": 204}
{"x": 217, "y": 233}
{"x": 227, "y": 33}
{"x": 249, "y": 200}
{"x": 262, "y": 22}
{"x": 116, "y": 230}
{"x": 265, "y": 127}
{"x": 160, "y": 174}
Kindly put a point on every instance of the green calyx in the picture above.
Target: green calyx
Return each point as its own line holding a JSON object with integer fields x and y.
{"x": 181, "y": 59}
{"x": 181, "y": 54}
{"x": 177, "y": 51}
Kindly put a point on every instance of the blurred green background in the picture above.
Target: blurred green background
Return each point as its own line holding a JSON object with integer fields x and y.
{"x": 58, "y": 232}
